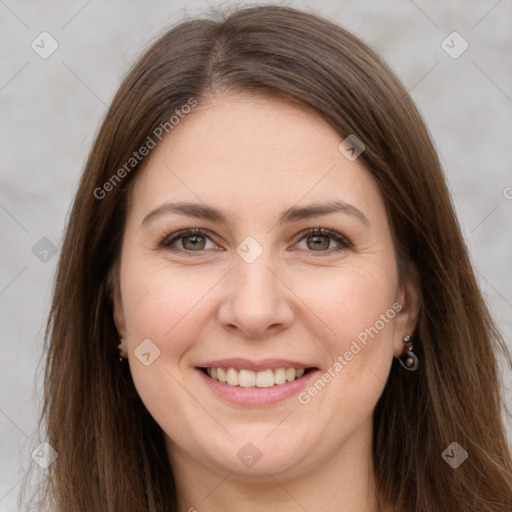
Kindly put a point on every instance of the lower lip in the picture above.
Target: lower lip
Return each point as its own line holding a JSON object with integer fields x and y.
{"x": 257, "y": 396}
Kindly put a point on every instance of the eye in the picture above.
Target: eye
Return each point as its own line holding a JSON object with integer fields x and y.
{"x": 318, "y": 240}
{"x": 192, "y": 240}
{"x": 323, "y": 240}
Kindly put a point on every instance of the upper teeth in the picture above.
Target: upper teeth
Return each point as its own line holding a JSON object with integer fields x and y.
{"x": 248, "y": 378}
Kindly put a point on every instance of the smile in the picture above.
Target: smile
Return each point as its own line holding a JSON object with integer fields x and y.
{"x": 256, "y": 388}
{"x": 260, "y": 379}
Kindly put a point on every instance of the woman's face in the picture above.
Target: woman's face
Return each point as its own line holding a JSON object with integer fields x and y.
{"x": 257, "y": 293}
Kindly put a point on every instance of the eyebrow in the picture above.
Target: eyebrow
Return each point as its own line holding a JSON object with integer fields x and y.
{"x": 294, "y": 213}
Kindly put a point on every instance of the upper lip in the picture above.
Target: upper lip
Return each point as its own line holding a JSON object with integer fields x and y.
{"x": 241, "y": 363}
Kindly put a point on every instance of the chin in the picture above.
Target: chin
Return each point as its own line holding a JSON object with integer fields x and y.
{"x": 258, "y": 454}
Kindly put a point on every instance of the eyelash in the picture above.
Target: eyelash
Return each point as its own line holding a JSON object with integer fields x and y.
{"x": 167, "y": 241}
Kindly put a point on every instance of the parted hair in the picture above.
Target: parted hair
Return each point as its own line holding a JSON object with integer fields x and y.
{"x": 111, "y": 452}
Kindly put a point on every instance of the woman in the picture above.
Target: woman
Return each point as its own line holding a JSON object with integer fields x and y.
{"x": 264, "y": 233}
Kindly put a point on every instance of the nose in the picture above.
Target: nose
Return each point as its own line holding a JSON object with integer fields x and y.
{"x": 256, "y": 304}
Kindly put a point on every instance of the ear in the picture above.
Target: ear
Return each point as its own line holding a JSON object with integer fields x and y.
{"x": 115, "y": 296}
{"x": 409, "y": 296}
{"x": 119, "y": 319}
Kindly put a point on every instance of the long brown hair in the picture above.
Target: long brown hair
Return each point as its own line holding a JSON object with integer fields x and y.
{"x": 111, "y": 453}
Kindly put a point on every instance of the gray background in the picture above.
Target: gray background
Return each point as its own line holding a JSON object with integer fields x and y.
{"x": 50, "y": 109}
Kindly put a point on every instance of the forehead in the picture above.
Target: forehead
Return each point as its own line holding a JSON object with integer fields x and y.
{"x": 251, "y": 154}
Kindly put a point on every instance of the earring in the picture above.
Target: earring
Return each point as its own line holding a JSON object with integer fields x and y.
{"x": 409, "y": 360}
{"x": 123, "y": 356}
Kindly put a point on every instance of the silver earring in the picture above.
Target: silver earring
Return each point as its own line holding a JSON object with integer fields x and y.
{"x": 409, "y": 360}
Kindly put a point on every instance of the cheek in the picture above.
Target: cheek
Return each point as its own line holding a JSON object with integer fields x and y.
{"x": 348, "y": 301}
{"x": 355, "y": 326}
{"x": 355, "y": 316}
{"x": 166, "y": 306}
{"x": 160, "y": 302}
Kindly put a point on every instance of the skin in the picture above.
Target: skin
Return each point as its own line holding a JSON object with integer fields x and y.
{"x": 253, "y": 157}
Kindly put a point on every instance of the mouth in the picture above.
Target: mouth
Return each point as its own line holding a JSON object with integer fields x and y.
{"x": 246, "y": 378}
{"x": 245, "y": 383}
{"x": 255, "y": 383}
